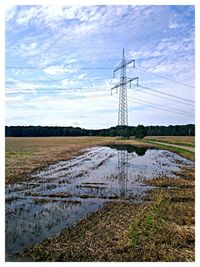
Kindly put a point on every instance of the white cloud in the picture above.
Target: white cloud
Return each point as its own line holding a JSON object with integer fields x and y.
{"x": 26, "y": 15}
{"x": 10, "y": 12}
{"x": 20, "y": 85}
{"x": 164, "y": 47}
{"x": 29, "y": 46}
{"x": 173, "y": 25}
{"x": 61, "y": 42}
{"x": 53, "y": 70}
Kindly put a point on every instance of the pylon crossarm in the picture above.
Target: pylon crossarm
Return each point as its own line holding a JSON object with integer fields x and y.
{"x": 115, "y": 87}
{"x": 125, "y": 82}
{"x": 131, "y": 61}
{"x": 132, "y": 79}
{"x": 115, "y": 71}
{"x": 124, "y": 65}
{"x": 121, "y": 65}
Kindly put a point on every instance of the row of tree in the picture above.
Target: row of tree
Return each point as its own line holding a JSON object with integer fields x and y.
{"x": 139, "y": 131}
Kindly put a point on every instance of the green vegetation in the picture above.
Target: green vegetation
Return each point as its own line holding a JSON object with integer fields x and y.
{"x": 188, "y": 141}
{"x": 150, "y": 223}
{"x": 168, "y": 142}
{"x": 181, "y": 151}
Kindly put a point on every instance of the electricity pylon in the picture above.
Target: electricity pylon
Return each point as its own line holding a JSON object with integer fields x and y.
{"x": 122, "y": 85}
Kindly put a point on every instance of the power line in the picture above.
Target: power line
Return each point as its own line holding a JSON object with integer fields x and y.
{"x": 69, "y": 80}
{"x": 73, "y": 90}
{"x": 92, "y": 68}
{"x": 141, "y": 102}
{"x": 58, "y": 68}
{"x": 158, "y": 106}
{"x": 171, "y": 95}
{"x": 162, "y": 107}
{"x": 165, "y": 78}
{"x": 164, "y": 97}
{"x": 52, "y": 90}
{"x": 47, "y": 100}
{"x": 148, "y": 102}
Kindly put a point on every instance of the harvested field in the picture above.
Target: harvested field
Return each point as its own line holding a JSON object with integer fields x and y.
{"x": 25, "y": 155}
{"x": 70, "y": 187}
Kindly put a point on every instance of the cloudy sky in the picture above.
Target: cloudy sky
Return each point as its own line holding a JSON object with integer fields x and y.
{"x": 60, "y": 62}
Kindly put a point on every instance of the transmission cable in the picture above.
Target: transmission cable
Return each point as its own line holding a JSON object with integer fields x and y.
{"x": 171, "y": 95}
{"x": 161, "y": 107}
{"x": 164, "y": 97}
{"x": 165, "y": 78}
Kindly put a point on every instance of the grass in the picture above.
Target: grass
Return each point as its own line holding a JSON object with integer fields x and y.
{"x": 181, "y": 151}
{"x": 150, "y": 223}
{"x": 178, "y": 140}
{"x": 175, "y": 143}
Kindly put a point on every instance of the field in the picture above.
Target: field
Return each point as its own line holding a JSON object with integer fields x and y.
{"x": 183, "y": 145}
{"x": 25, "y": 155}
{"x": 160, "y": 228}
{"x": 179, "y": 140}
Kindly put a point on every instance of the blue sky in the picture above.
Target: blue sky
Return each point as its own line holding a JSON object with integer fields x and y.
{"x": 60, "y": 62}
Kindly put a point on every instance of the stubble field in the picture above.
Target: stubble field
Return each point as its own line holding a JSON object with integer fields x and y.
{"x": 160, "y": 228}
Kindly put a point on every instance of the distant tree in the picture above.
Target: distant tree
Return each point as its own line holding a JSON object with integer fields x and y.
{"x": 126, "y": 131}
{"x": 140, "y": 131}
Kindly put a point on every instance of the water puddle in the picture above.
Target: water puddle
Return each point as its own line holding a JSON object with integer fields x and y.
{"x": 62, "y": 194}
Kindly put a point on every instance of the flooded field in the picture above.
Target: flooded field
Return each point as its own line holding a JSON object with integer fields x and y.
{"x": 62, "y": 194}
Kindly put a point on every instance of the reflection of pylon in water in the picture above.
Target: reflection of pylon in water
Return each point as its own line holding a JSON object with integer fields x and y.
{"x": 123, "y": 171}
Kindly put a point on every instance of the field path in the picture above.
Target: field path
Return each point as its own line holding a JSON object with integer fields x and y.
{"x": 192, "y": 149}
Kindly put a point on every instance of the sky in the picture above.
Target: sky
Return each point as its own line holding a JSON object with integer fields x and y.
{"x": 59, "y": 63}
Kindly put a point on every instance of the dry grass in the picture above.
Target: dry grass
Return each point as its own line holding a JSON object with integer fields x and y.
{"x": 159, "y": 229}
{"x": 25, "y": 155}
{"x": 179, "y": 140}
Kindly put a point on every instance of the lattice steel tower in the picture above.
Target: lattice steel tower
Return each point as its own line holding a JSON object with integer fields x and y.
{"x": 122, "y": 85}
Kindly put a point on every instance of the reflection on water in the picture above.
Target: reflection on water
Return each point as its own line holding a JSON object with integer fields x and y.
{"x": 123, "y": 171}
{"x": 62, "y": 194}
{"x": 140, "y": 151}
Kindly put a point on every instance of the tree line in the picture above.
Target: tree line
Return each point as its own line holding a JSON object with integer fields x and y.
{"x": 137, "y": 131}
